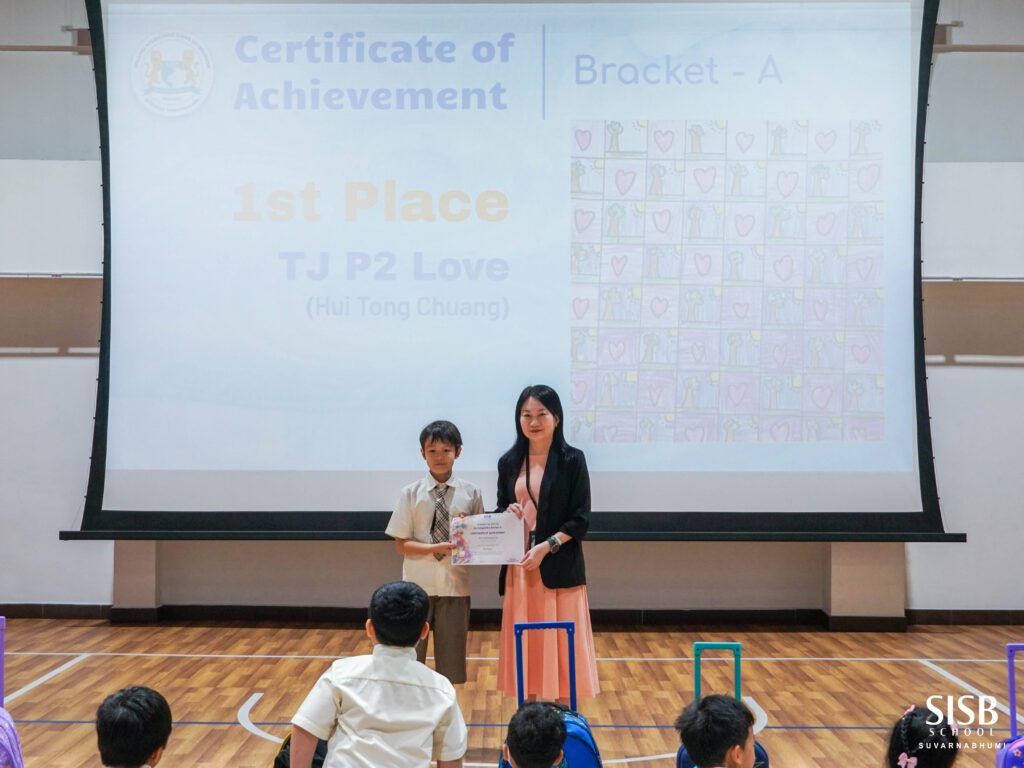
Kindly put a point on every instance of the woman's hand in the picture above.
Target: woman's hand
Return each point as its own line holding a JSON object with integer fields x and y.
{"x": 532, "y": 560}
{"x": 516, "y": 509}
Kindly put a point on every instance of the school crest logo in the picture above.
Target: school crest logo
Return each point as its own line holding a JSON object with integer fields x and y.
{"x": 171, "y": 74}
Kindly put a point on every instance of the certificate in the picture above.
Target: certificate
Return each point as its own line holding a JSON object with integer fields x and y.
{"x": 489, "y": 539}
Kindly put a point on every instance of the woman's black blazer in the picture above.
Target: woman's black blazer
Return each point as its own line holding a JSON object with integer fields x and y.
{"x": 563, "y": 505}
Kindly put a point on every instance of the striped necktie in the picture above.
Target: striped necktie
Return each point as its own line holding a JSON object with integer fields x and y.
{"x": 439, "y": 530}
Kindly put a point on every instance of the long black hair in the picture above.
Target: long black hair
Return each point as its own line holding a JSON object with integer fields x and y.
{"x": 550, "y": 400}
{"x": 929, "y": 739}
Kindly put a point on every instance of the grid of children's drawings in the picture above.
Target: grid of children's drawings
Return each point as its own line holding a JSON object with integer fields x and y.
{"x": 727, "y": 281}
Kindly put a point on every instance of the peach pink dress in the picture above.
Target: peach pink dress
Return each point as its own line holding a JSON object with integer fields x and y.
{"x": 545, "y": 653}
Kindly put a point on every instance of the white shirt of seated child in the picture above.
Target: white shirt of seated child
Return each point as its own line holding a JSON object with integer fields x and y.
{"x": 385, "y": 710}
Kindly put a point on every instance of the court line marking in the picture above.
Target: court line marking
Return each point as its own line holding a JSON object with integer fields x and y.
{"x": 244, "y": 719}
{"x": 967, "y": 687}
{"x": 656, "y": 659}
{"x": 221, "y": 723}
{"x": 246, "y": 722}
{"x": 46, "y": 678}
{"x": 760, "y": 716}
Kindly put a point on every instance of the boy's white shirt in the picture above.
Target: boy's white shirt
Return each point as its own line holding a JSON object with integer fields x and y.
{"x": 414, "y": 517}
{"x": 384, "y": 710}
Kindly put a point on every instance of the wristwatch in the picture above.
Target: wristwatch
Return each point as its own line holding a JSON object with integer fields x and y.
{"x": 554, "y": 543}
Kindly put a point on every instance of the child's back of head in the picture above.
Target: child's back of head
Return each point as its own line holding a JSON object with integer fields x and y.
{"x": 717, "y": 731}
{"x": 922, "y": 739}
{"x": 132, "y": 727}
{"x": 536, "y": 735}
{"x": 398, "y": 611}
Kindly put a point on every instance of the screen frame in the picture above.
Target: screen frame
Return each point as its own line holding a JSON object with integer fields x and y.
{"x": 100, "y": 523}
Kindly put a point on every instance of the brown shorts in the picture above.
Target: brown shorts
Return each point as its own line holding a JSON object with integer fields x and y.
{"x": 449, "y": 624}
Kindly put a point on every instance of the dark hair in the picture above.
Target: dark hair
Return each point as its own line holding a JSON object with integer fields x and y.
{"x": 536, "y": 734}
{"x": 924, "y": 735}
{"x": 709, "y": 728}
{"x": 441, "y": 432}
{"x": 550, "y": 400}
{"x": 398, "y": 611}
{"x": 131, "y": 725}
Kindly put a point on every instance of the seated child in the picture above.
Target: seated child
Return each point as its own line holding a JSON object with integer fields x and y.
{"x": 718, "y": 732}
{"x": 922, "y": 739}
{"x": 132, "y": 728}
{"x": 536, "y": 734}
{"x": 384, "y": 710}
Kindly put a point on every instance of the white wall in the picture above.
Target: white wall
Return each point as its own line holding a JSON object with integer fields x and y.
{"x": 977, "y": 424}
{"x": 46, "y": 429}
{"x": 45, "y": 436}
{"x": 649, "y": 575}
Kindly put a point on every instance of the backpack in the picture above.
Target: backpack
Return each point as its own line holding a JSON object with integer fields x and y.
{"x": 10, "y": 747}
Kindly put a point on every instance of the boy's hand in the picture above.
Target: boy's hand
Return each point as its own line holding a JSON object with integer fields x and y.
{"x": 444, "y": 548}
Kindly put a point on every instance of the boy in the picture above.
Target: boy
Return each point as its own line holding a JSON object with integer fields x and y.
{"x": 420, "y": 528}
{"x": 132, "y": 728}
{"x": 385, "y": 710}
{"x": 718, "y": 732}
{"x": 536, "y": 734}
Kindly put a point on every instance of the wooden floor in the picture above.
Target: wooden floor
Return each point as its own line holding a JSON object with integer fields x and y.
{"x": 822, "y": 698}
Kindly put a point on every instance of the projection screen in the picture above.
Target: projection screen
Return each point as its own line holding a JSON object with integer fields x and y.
{"x": 331, "y": 223}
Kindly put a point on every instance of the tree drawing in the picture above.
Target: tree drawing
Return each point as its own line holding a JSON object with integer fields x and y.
{"x": 694, "y": 299}
{"x": 578, "y": 171}
{"x": 654, "y": 262}
{"x": 735, "y": 262}
{"x": 696, "y": 132}
{"x": 735, "y": 342}
{"x": 819, "y": 175}
{"x": 608, "y": 390}
{"x": 615, "y": 213}
{"x": 651, "y": 344}
{"x": 615, "y": 130}
{"x": 774, "y": 386}
{"x": 690, "y": 387}
{"x": 854, "y": 391}
{"x": 657, "y": 187}
{"x": 862, "y": 131}
{"x": 695, "y": 214}
{"x": 815, "y": 257}
{"x": 780, "y": 215}
{"x": 739, "y": 171}
{"x": 817, "y": 347}
{"x": 779, "y": 134}
{"x": 611, "y": 300}
{"x": 775, "y": 300}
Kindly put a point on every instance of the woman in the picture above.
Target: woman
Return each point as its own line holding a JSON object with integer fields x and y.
{"x": 544, "y": 481}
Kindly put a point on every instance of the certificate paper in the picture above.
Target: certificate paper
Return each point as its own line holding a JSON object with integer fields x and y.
{"x": 490, "y": 539}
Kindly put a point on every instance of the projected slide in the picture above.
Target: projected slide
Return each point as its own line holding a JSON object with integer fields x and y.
{"x": 728, "y": 281}
{"x": 334, "y": 223}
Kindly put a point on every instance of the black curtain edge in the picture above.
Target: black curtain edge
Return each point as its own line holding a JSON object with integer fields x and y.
{"x": 926, "y": 457}
{"x": 91, "y": 516}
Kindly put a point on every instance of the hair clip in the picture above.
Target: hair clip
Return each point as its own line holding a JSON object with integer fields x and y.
{"x": 909, "y": 710}
{"x": 905, "y": 761}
